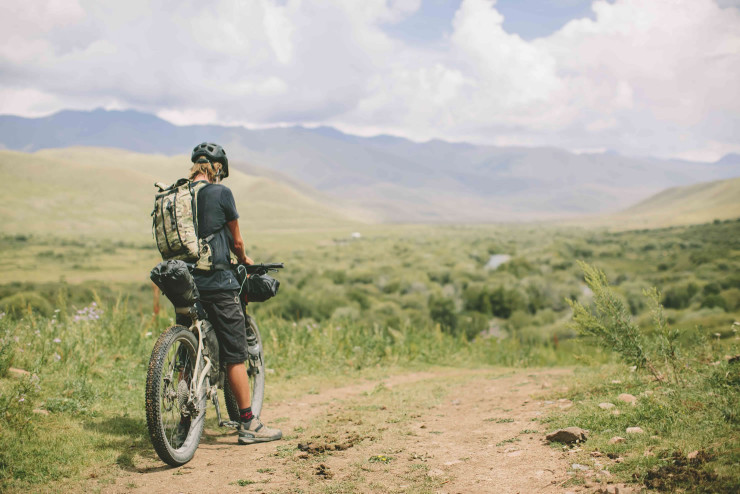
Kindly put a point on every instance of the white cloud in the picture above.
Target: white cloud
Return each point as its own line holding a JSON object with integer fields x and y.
{"x": 652, "y": 77}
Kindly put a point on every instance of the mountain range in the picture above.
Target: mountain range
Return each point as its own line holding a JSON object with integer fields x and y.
{"x": 391, "y": 179}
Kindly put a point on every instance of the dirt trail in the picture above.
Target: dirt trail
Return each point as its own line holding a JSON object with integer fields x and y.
{"x": 445, "y": 431}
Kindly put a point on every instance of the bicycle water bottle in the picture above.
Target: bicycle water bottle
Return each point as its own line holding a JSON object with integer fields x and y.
{"x": 253, "y": 345}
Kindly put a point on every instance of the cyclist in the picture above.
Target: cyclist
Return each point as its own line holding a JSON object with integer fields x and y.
{"x": 219, "y": 288}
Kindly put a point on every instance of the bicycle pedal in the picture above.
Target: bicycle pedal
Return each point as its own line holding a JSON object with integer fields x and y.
{"x": 228, "y": 423}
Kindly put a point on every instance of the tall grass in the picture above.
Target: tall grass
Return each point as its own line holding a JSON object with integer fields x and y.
{"x": 696, "y": 409}
{"x": 73, "y": 374}
{"x": 82, "y": 396}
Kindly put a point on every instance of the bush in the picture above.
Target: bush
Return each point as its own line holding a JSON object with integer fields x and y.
{"x": 442, "y": 311}
{"x": 611, "y": 325}
{"x": 6, "y": 355}
{"x": 500, "y": 301}
{"x": 732, "y": 296}
{"x": 471, "y": 324}
{"x": 679, "y": 297}
{"x": 18, "y": 305}
{"x": 714, "y": 300}
{"x": 711, "y": 288}
{"x": 518, "y": 266}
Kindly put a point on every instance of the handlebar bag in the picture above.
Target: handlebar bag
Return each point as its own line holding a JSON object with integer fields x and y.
{"x": 259, "y": 287}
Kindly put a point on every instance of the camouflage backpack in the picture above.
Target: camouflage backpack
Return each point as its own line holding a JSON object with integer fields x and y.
{"x": 175, "y": 224}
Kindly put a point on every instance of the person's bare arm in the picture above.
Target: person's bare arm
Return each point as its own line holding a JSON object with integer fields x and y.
{"x": 238, "y": 245}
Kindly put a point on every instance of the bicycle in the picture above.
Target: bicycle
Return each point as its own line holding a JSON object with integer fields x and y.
{"x": 181, "y": 378}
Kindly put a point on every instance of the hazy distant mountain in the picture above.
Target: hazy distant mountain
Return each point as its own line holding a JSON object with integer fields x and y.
{"x": 732, "y": 159}
{"x": 397, "y": 179}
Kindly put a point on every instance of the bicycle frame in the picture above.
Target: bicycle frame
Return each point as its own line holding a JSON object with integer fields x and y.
{"x": 200, "y": 375}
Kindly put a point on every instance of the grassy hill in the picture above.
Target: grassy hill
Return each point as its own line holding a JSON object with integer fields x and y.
{"x": 108, "y": 193}
{"x": 676, "y": 206}
{"x": 692, "y": 204}
{"x": 398, "y": 180}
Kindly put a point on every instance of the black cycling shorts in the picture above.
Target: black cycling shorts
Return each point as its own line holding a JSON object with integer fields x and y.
{"x": 225, "y": 313}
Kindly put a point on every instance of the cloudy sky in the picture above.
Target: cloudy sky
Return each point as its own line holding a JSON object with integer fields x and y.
{"x": 641, "y": 77}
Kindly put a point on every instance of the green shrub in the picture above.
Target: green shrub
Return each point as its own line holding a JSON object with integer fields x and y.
{"x": 610, "y": 322}
{"x": 442, "y": 311}
{"x": 712, "y": 288}
{"x": 21, "y": 303}
{"x": 680, "y": 297}
{"x": 471, "y": 324}
{"x": 500, "y": 301}
{"x": 732, "y": 296}
{"x": 6, "y": 355}
{"x": 714, "y": 300}
{"x": 518, "y": 266}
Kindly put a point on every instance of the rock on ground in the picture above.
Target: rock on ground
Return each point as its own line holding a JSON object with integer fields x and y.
{"x": 627, "y": 398}
{"x": 568, "y": 435}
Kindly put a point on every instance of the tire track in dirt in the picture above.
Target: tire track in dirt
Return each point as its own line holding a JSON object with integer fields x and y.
{"x": 450, "y": 430}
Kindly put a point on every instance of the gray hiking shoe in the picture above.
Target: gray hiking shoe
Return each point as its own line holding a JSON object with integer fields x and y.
{"x": 255, "y": 431}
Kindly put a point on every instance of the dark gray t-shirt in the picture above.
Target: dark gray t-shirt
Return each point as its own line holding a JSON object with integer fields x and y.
{"x": 216, "y": 207}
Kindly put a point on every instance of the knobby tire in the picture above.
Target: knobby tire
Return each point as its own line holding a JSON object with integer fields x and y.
{"x": 172, "y": 361}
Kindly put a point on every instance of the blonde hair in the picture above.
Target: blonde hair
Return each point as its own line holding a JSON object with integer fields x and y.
{"x": 208, "y": 169}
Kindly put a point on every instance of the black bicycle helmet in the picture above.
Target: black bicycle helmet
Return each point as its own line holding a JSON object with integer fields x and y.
{"x": 213, "y": 152}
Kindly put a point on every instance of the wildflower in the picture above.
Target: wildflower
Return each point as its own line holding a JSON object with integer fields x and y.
{"x": 148, "y": 334}
{"x": 21, "y": 399}
{"x": 37, "y": 332}
{"x": 57, "y": 340}
{"x": 57, "y": 357}
{"x": 57, "y": 311}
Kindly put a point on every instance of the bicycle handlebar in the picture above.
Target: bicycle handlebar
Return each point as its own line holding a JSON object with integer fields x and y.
{"x": 262, "y": 268}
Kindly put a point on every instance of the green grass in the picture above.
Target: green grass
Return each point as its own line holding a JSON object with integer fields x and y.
{"x": 701, "y": 415}
{"x": 683, "y": 430}
{"x": 398, "y": 298}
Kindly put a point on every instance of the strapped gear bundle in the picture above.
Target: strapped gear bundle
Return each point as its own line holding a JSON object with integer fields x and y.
{"x": 175, "y": 224}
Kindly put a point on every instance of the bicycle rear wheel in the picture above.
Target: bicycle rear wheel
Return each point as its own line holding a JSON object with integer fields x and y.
{"x": 256, "y": 373}
{"x": 175, "y": 424}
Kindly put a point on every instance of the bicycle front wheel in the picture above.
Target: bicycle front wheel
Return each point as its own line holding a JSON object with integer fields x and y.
{"x": 256, "y": 373}
{"x": 175, "y": 422}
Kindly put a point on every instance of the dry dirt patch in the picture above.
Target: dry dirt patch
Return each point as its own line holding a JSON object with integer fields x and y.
{"x": 445, "y": 431}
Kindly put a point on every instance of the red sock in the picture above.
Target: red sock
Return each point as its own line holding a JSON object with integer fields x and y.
{"x": 246, "y": 414}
